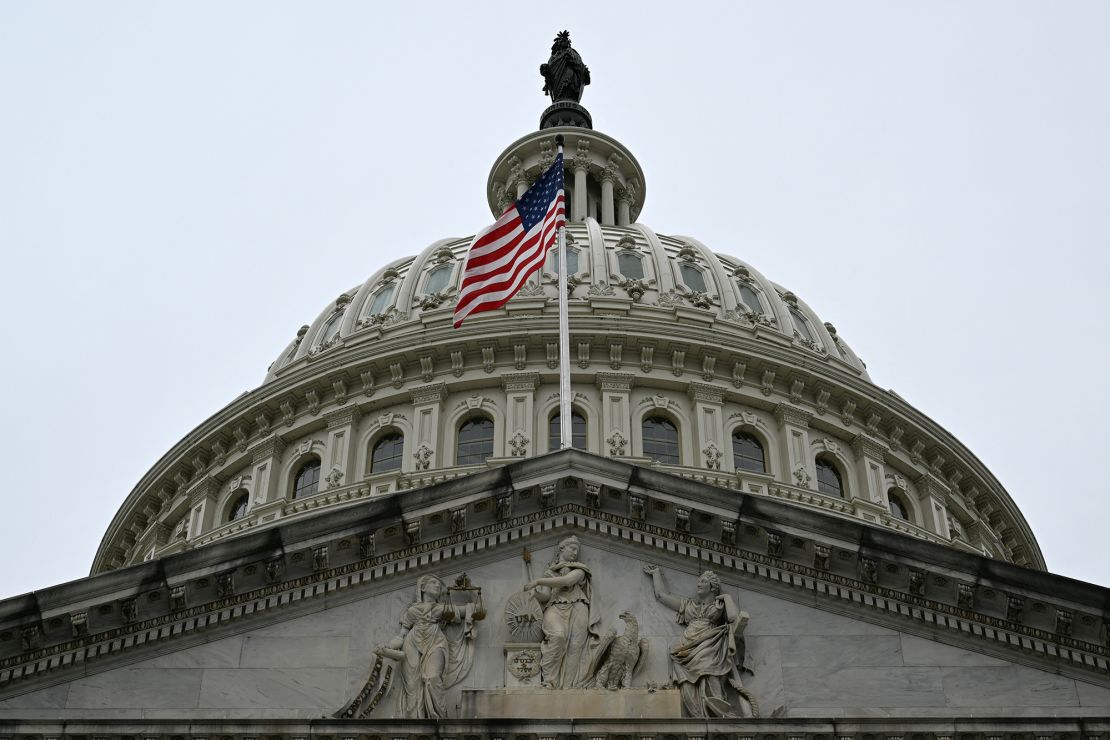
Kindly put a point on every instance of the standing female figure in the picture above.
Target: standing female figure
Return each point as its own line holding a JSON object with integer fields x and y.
{"x": 711, "y": 650}
{"x": 430, "y": 662}
{"x": 568, "y": 621}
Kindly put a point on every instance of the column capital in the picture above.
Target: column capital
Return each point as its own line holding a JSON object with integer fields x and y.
{"x": 519, "y": 381}
{"x": 621, "y": 382}
{"x": 865, "y": 446}
{"x": 787, "y": 414}
{"x": 342, "y": 417}
{"x": 267, "y": 448}
{"x": 705, "y": 392}
{"x": 432, "y": 393}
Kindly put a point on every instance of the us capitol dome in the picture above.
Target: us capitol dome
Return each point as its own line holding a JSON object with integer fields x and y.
{"x": 685, "y": 359}
{"x": 749, "y": 540}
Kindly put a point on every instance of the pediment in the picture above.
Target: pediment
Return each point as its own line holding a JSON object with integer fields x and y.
{"x": 843, "y": 619}
{"x": 804, "y": 660}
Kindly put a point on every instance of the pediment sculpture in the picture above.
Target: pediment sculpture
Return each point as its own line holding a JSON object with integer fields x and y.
{"x": 429, "y": 657}
{"x": 711, "y": 651}
{"x": 570, "y": 619}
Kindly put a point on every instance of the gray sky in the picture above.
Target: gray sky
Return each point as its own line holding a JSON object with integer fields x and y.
{"x": 183, "y": 185}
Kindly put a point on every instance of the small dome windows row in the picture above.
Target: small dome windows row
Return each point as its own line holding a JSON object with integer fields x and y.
{"x": 629, "y": 265}
{"x": 474, "y": 444}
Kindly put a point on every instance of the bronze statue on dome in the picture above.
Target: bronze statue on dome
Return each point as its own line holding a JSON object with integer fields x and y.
{"x": 564, "y": 75}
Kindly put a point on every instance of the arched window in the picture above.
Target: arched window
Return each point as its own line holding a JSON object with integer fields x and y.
{"x": 387, "y": 452}
{"x": 660, "y": 440}
{"x": 828, "y": 478}
{"x": 437, "y": 279}
{"x": 693, "y": 278}
{"x": 239, "y": 505}
{"x": 577, "y": 431}
{"x": 750, "y": 297}
{"x": 331, "y": 327}
{"x": 381, "y": 300}
{"x": 572, "y": 261}
{"x": 747, "y": 453}
{"x": 475, "y": 442}
{"x": 307, "y": 481}
{"x": 898, "y": 510}
{"x": 802, "y": 325}
{"x": 630, "y": 265}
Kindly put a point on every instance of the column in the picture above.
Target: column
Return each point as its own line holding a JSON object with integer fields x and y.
{"x": 609, "y": 177}
{"x": 339, "y": 462}
{"x": 932, "y": 494}
{"x": 202, "y": 504}
{"x": 517, "y": 178}
{"x": 624, "y": 207}
{"x": 709, "y": 433}
{"x": 579, "y": 206}
{"x": 794, "y": 440}
{"x": 520, "y": 423}
{"x": 870, "y": 470}
{"x": 266, "y": 458}
{"x": 616, "y": 415}
{"x": 607, "y": 217}
{"x": 581, "y": 167}
{"x": 427, "y": 402}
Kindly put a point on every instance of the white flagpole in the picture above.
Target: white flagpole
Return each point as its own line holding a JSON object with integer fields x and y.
{"x": 565, "y": 424}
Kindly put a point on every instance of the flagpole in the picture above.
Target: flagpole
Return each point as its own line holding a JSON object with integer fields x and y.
{"x": 565, "y": 423}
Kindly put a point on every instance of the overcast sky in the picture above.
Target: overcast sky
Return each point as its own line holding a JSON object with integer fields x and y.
{"x": 182, "y": 185}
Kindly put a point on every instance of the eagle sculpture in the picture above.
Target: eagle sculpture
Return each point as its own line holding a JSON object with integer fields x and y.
{"x": 620, "y": 657}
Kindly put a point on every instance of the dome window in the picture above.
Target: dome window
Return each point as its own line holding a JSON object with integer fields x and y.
{"x": 661, "y": 440}
{"x": 437, "y": 279}
{"x": 239, "y": 506}
{"x": 802, "y": 326}
{"x": 577, "y": 431}
{"x": 572, "y": 261}
{"x": 475, "y": 441}
{"x": 828, "y": 478}
{"x": 307, "y": 482}
{"x": 331, "y": 328}
{"x": 381, "y": 300}
{"x": 630, "y": 265}
{"x": 750, "y": 297}
{"x": 747, "y": 453}
{"x": 898, "y": 510}
{"x": 387, "y": 453}
{"x": 693, "y": 278}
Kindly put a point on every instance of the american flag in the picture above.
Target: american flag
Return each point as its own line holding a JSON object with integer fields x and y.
{"x": 510, "y": 251}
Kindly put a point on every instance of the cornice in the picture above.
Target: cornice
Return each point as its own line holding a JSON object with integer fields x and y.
{"x": 796, "y": 553}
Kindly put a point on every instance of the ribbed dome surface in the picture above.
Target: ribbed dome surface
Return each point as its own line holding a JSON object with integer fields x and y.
{"x": 658, "y": 276}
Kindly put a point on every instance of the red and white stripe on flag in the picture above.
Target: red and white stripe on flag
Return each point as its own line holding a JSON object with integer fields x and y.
{"x": 505, "y": 255}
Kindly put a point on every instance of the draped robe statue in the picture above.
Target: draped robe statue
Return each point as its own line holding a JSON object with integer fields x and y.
{"x": 711, "y": 651}
{"x": 569, "y": 619}
{"x": 564, "y": 75}
{"x": 430, "y": 661}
